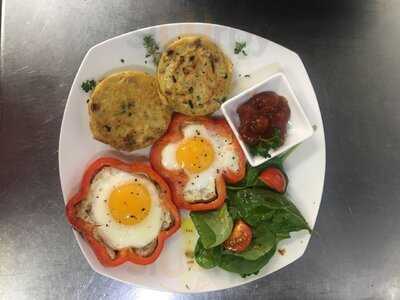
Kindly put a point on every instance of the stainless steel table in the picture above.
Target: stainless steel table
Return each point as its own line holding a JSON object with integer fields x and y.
{"x": 351, "y": 51}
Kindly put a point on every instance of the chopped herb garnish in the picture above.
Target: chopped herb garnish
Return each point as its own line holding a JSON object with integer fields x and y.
{"x": 222, "y": 100}
{"x": 88, "y": 85}
{"x": 123, "y": 109}
{"x": 191, "y": 104}
{"x": 265, "y": 145}
{"x": 152, "y": 48}
{"x": 239, "y": 48}
{"x": 122, "y": 60}
{"x": 247, "y": 75}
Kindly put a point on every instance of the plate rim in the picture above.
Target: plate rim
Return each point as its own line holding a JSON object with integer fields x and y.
{"x": 213, "y": 25}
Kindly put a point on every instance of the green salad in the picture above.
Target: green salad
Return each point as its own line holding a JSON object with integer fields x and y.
{"x": 242, "y": 236}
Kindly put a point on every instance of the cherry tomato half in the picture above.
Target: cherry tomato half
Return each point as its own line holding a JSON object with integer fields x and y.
{"x": 240, "y": 237}
{"x": 274, "y": 178}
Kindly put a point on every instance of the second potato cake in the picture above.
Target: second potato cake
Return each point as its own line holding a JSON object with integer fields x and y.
{"x": 194, "y": 75}
{"x": 127, "y": 112}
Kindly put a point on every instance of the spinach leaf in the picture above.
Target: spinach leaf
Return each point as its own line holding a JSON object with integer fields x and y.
{"x": 289, "y": 219}
{"x": 258, "y": 206}
{"x": 243, "y": 266}
{"x": 232, "y": 209}
{"x": 263, "y": 241}
{"x": 271, "y": 215}
{"x": 255, "y": 205}
{"x": 252, "y": 173}
{"x": 233, "y": 212}
{"x": 206, "y": 258}
{"x": 213, "y": 227}
{"x": 284, "y": 222}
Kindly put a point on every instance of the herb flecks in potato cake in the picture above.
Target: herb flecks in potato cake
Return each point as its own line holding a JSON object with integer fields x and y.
{"x": 126, "y": 111}
{"x": 194, "y": 75}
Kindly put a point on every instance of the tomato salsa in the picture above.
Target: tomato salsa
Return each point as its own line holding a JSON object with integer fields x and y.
{"x": 264, "y": 116}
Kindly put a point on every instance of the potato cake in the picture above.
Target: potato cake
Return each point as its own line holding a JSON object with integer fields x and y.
{"x": 126, "y": 111}
{"x": 194, "y": 75}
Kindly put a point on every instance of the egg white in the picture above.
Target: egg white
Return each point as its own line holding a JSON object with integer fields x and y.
{"x": 201, "y": 186}
{"x": 118, "y": 236}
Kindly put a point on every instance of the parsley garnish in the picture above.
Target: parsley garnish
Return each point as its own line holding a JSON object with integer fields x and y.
{"x": 239, "y": 47}
{"x": 265, "y": 145}
{"x": 222, "y": 100}
{"x": 88, "y": 85}
{"x": 152, "y": 49}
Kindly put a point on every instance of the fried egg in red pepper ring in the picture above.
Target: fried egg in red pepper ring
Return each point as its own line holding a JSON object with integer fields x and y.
{"x": 196, "y": 156}
{"x": 124, "y": 211}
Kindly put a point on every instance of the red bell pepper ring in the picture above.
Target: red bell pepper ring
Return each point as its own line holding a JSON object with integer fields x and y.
{"x": 177, "y": 179}
{"x": 87, "y": 229}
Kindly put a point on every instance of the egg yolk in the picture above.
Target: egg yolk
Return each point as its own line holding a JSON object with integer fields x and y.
{"x": 129, "y": 204}
{"x": 195, "y": 154}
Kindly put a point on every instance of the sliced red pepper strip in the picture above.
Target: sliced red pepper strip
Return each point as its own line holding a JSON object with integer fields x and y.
{"x": 177, "y": 179}
{"x": 87, "y": 229}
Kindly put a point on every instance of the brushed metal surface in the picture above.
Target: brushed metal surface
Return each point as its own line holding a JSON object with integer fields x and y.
{"x": 350, "y": 50}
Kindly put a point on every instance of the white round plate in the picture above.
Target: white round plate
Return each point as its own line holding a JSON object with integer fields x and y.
{"x": 305, "y": 167}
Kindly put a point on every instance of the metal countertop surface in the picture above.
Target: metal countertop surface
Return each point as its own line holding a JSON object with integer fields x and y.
{"x": 350, "y": 50}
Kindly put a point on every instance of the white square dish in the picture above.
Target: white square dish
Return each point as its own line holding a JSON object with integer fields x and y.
{"x": 299, "y": 127}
